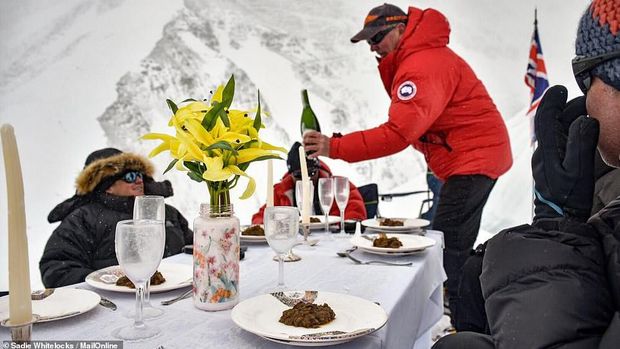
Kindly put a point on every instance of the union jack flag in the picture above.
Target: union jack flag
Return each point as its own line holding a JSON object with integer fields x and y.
{"x": 535, "y": 77}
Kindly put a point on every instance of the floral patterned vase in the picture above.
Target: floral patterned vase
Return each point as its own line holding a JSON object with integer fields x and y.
{"x": 216, "y": 258}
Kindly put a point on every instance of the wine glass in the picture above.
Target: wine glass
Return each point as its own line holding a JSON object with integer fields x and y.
{"x": 341, "y": 192}
{"x": 326, "y": 197}
{"x": 281, "y": 227}
{"x": 149, "y": 207}
{"x": 139, "y": 248}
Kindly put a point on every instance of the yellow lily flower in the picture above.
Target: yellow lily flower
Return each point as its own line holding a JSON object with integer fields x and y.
{"x": 192, "y": 141}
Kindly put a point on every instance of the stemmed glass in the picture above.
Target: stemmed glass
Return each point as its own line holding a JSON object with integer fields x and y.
{"x": 281, "y": 227}
{"x": 326, "y": 197}
{"x": 149, "y": 207}
{"x": 299, "y": 198}
{"x": 139, "y": 248}
{"x": 341, "y": 192}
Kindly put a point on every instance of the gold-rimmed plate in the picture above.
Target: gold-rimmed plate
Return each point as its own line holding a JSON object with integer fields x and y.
{"x": 355, "y": 317}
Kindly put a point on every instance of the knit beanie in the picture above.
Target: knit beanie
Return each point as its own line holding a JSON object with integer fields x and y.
{"x": 599, "y": 33}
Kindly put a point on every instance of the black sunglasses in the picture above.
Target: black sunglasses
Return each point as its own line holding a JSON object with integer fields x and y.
{"x": 132, "y": 176}
{"x": 582, "y": 66}
{"x": 377, "y": 38}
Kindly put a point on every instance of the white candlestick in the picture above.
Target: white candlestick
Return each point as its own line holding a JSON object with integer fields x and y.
{"x": 20, "y": 305}
{"x": 269, "y": 183}
{"x": 305, "y": 180}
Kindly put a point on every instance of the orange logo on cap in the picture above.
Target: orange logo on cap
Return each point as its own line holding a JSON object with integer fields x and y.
{"x": 370, "y": 18}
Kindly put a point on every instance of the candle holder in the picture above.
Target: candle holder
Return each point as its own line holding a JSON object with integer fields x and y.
{"x": 306, "y": 243}
{"x": 20, "y": 333}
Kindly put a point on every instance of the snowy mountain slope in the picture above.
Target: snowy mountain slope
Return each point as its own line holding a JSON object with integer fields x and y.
{"x": 78, "y": 75}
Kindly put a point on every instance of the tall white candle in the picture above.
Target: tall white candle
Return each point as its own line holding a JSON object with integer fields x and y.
{"x": 305, "y": 180}
{"x": 269, "y": 183}
{"x": 20, "y": 305}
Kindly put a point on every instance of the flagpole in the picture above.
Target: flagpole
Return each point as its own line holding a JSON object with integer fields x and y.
{"x": 535, "y": 142}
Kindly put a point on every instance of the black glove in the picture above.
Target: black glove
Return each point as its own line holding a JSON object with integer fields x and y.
{"x": 563, "y": 163}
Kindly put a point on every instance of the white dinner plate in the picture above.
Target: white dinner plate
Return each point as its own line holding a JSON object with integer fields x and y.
{"x": 252, "y": 238}
{"x": 62, "y": 304}
{"x": 176, "y": 275}
{"x": 408, "y": 224}
{"x": 411, "y": 244}
{"x": 355, "y": 317}
{"x": 321, "y": 225}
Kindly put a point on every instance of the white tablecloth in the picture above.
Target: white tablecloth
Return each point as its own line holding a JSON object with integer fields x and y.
{"x": 412, "y": 296}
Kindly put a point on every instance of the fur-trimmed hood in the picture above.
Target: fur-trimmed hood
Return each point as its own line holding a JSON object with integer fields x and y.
{"x": 97, "y": 171}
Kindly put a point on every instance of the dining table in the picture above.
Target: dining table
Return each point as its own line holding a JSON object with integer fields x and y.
{"x": 412, "y": 297}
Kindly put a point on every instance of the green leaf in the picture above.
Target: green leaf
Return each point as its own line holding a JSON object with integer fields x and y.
{"x": 222, "y": 145}
{"x": 229, "y": 92}
{"x": 193, "y": 175}
{"x": 189, "y": 100}
{"x": 209, "y": 120}
{"x": 224, "y": 116}
{"x": 192, "y": 166}
{"x": 257, "y": 120}
{"x": 172, "y": 106}
{"x": 219, "y": 109}
{"x": 261, "y": 158}
{"x": 171, "y": 164}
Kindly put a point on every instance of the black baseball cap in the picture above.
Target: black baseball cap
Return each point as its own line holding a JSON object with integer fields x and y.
{"x": 378, "y": 19}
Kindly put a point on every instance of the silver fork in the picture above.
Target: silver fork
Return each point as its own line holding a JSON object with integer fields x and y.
{"x": 184, "y": 295}
{"x": 377, "y": 262}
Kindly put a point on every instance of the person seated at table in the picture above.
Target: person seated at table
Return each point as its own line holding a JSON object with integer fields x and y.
{"x": 555, "y": 283}
{"x": 106, "y": 189}
{"x": 284, "y": 191}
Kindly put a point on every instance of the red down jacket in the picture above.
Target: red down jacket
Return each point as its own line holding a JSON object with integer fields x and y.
{"x": 283, "y": 196}
{"x": 438, "y": 106}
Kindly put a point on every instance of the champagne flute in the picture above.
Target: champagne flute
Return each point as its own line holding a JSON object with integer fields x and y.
{"x": 326, "y": 197}
{"x": 341, "y": 192}
{"x": 281, "y": 227}
{"x": 139, "y": 248}
{"x": 299, "y": 199}
{"x": 149, "y": 207}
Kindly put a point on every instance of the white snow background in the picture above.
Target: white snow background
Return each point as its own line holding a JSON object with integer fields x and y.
{"x": 80, "y": 75}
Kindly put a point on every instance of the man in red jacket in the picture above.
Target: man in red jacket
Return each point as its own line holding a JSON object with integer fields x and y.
{"x": 439, "y": 107}
{"x": 284, "y": 192}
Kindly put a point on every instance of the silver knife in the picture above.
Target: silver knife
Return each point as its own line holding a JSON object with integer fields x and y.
{"x": 106, "y": 303}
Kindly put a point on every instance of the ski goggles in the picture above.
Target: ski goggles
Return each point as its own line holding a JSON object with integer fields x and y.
{"x": 132, "y": 176}
{"x": 582, "y": 68}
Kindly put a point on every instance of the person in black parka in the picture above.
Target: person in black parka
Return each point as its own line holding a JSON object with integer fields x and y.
{"x": 555, "y": 283}
{"x": 106, "y": 188}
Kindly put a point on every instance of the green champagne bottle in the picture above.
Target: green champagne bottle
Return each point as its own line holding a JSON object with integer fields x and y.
{"x": 308, "y": 118}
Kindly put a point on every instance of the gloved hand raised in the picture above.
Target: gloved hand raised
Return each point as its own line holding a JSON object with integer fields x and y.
{"x": 563, "y": 163}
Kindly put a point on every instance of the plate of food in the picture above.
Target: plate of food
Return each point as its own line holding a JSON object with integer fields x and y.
{"x": 396, "y": 224}
{"x": 57, "y": 304}
{"x": 396, "y": 244}
{"x": 253, "y": 233}
{"x": 318, "y": 222}
{"x": 309, "y": 318}
{"x": 169, "y": 276}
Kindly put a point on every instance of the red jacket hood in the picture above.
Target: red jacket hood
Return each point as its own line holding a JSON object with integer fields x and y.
{"x": 425, "y": 29}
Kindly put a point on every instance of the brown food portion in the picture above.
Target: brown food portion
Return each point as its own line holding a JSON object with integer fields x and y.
{"x": 156, "y": 279}
{"x": 385, "y": 242}
{"x": 314, "y": 220}
{"x": 255, "y": 230}
{"x": 308, "y": 315}
{"x": 386, "y": 222}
